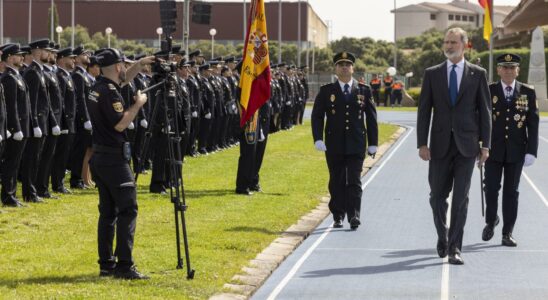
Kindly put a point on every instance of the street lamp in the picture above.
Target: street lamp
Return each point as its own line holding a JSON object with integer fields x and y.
{"x": 108, "y": 31}
{"x": 159, "y": 32}
{"x": 212, "y": 32}
{"x": 59, "y": 30}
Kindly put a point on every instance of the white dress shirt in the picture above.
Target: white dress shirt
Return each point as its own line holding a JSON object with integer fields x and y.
{"x": 504, "y": 85}
{"x": 459, "y": 69}
{"x": 349, "y": 85}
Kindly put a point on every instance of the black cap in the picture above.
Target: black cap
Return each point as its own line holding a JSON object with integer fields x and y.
{"x": 52, "y": 47}
{"x": 224, "y": 69}
{"x": 220, "y": 59}
{"x": 129, "y": 59}
{"x": 109, "y": 57}
{"x": 195, "y": 53}
{"x": 344, "y": 56}
{"x": 26, "y": 50}
{"x": 281, "y": 65}
{"x": 93, "y": 61}
{"x": 191, "y": 63}
{"x": 508, "y": 59}
{"x": 229, "y": 59}
{"x": 11, "y": 49}
{"x": 214, "y": 63}
{"x": 183, "y": 64}
{"x": 40, "y": 44}
{"x": 67, "y": 52}
{"x": 175, "y": 49}
{"x": 80, "y": 50}
{"x": 204, "y": 67}
{"x": 162, "y": 53}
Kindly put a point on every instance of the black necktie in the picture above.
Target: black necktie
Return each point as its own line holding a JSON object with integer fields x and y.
{"x": 346, "y": 91}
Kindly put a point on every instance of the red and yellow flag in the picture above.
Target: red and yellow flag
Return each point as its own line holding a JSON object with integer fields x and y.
{"x": 487, "y": 18}
{"x": 255, "y": 75}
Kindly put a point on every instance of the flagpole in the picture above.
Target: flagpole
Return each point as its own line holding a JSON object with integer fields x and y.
{"x": 491, "y": 42}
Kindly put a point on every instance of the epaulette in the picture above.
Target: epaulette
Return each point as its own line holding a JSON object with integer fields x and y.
{"x": 111, "y": 87}
{"x": 528, "y": 86}
{"x": 364, "y": 85}
{"x": 327, "y": 84}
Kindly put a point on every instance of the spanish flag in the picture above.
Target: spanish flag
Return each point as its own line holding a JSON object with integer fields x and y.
{"x": 255, "y": 74}
{"x": 487, "y": 18}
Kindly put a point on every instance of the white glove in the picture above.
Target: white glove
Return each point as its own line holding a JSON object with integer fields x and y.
{"x": 144, "y": 123}
{"x": 8, "y": 134}
{"x": 372, "y": 149}
{"x": 56, "y": 130}
{"x": 64, "y": 131}
{"x": 320, "y": 145}
{"x": 131, "y": 126}
{"x": 288, "y": 103}
{"x": 37, "y": 132}
{"x": 87, "y": 125}
{"x": 194, "y": 114}
{"x": 529, "y": 160}
{"x": 261, "y": 136}
{"x": 208, "y": 116}
{"x": 1, "y": 138}
{"x": 18, "y": 136}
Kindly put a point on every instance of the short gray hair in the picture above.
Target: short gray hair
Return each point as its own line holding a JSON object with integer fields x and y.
{"x": 461, "y": 32}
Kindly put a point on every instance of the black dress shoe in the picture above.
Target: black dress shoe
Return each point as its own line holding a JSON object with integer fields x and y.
{"x": 47, "y": 195}
{"x": 79, "y": 186}
{"x": 338, "y": 224}
{"x": 489, "y": 230}
{"x": 62, "y": 190}
{"x": 131, "y": 274}
{"x": 11, "y": 202}
{"x": 106, "y": 272}
{"x": 244, "y": 192}
{"x": 508, "y": 240}
{"x": 354, "y": 223}
{"x": 33, "y": 199}
{"x": 455, "y": 259}
{"x": 442, "y": 248}
{"x": 256, "y": 188}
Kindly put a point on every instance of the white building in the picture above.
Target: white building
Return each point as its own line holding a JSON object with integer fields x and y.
{"x": 413, "y": 20}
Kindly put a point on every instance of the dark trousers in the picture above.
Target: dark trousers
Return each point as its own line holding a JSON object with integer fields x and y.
{"x": 82, "y": 141}
{"x": 194, "y": 129}
{"x": 10, "y": 167}
{"x": 137, "y": 149}
{"x": 46, "y": 162}
{"x": 158, "y": 180}
{"x": 396, "y": 97}
{"x": 203, "y": 135}
{"x": 453, "y": 172}
{"x": 259, "y": 155}
{"x": 29, "y": 166}
{"x": 286, "y": 117}
{"x": 345, "y": 185}
{"x": 117, "y": 209}
{"x": 376, "y": 96}
{"x": 246, "y": 162}
{"x": 510, "y": 192}
{"x": 60, "y": 160}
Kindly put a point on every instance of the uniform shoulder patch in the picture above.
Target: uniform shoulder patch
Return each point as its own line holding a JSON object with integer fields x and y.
{"x": 111, "y": 86}
{"x": 118, "y": 107}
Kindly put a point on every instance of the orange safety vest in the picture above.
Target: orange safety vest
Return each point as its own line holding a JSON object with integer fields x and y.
{"x": 388, "y": 81}
{"x": 397, "y": 86}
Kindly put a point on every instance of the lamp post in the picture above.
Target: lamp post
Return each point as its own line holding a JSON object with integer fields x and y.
{"x": 59, "y": 30}
{"x": 212, "y": 32}
{"x": 313, "y": 48}
{"x": 1, "y": 22}
{"x": 108, "y": 31}
{"x": 159, "y": 32}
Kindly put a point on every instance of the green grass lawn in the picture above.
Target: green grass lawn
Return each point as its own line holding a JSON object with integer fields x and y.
{"x": 544, "y": 113}
{"x": 48, "y": 251}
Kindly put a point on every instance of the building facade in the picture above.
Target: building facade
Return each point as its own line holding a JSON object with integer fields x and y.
{"x": 413, "y": 20}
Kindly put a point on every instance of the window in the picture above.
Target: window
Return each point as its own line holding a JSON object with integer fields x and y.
{"x": 471, "y": 18}
{"x": 432, "y": 16}
{"x": 465, "y": 18}
{"x": 451, "y": 17}
{"x": 457, "y": 17}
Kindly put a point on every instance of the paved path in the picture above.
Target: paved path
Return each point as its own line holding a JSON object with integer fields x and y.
{"x": 392, "y": 255}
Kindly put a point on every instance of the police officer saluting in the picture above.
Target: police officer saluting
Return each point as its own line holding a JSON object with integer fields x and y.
{"x": 341, "y": 111}
{"x": 514, "y": 145}
{"x": 110, "y": 164}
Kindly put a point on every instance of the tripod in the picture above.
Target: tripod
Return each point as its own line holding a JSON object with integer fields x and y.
{"x": 165, "y": 95}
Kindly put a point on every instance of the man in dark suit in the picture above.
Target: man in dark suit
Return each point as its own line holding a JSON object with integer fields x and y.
{"x": 514, "y": 146}
{"x": 457, "y": 91}
{"x": 341, "y": 111}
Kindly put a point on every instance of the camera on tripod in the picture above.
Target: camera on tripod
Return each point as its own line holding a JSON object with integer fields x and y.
{"x": 163, "y": 68}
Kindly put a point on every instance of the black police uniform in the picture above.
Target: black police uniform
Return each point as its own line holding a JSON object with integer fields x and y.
{"x": 208, "y": 101}
{"x": 112, "y": 174}
{"x": 515, "y": 134}
{"x": 196, "y": 109}
{"x": 18, "y": 119}
{"x": 339, "y": 120}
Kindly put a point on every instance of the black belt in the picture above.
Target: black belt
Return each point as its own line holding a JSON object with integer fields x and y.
{"x": 107, "y": 149}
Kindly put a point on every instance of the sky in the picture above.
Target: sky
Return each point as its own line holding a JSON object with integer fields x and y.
{"x": 368, "y": 18}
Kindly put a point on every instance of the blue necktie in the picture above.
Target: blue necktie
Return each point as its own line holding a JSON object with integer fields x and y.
{"x": 346, "y": 92}
{"x": 453, "y": 89}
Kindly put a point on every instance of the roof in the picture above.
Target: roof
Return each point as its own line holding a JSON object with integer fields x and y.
{"x": 455, "y": 6}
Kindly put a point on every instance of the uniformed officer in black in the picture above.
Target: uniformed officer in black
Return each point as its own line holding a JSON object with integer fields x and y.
{"x": 514, "y": 145}
{"x": 110, "y": 164}
{"x": 18, "y": 121}
{"x": 339, "y": 116}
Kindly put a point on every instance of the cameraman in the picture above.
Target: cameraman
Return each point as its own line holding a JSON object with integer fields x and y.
{"x": 110, "y": 164}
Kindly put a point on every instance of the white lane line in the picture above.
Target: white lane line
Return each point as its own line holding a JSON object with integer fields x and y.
{"x": 410, "y": 130}
{"x": 543, "y": 138}
{"x": 536, "y": 189}
{"x": 427, "y": 253}
{"x": 445, "y": 267}
{"x": 305, "y": 256}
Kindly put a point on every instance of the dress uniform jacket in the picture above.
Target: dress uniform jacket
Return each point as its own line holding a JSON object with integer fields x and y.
{"x": 39, "y": 97}
{"x": 2, "y": 115}
{"x": 66, "y": 87}
{"x": 17, "y": 102}
{"x": 345, "y": 129}
{"x": 82, "y": 86}
{"x": 515, "y": 123}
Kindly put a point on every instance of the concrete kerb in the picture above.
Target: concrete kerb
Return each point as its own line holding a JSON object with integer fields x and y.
{"x": 243, "y": 285}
